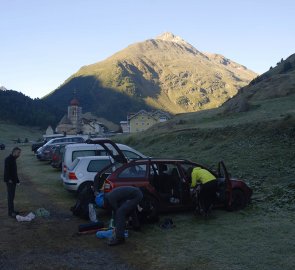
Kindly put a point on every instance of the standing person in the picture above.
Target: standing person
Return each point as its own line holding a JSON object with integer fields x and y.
{"x": 11, "y": 179}
{"x": 123, "y": 201}
{"x": 208, "y": 187}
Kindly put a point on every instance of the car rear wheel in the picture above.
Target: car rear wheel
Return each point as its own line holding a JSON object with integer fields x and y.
{"x": 238, "y": 200}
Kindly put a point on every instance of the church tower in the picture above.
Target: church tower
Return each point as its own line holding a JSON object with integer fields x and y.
{"x": 75, "y": 114}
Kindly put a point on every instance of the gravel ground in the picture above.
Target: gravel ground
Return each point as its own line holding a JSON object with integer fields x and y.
{"x": 68, "y": 259}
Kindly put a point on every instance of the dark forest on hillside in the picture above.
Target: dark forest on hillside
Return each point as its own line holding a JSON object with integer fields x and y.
{"x": 101, "y": 101}
{"x": 17, "y": 108}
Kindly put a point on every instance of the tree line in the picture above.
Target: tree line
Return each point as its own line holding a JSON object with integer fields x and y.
{"x": 20, "y": 109}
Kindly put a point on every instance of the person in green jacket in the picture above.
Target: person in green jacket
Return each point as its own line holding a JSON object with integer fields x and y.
{"x": 208, "y": 187}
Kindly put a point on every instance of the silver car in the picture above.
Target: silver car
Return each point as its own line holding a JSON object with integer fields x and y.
{"x": 83, "y": 170}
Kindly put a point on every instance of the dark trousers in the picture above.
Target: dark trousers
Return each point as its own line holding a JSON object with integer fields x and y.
{"x": 208, "y": 195}
{"x": 10, "y": 197}
{"x": 126, "y": 208}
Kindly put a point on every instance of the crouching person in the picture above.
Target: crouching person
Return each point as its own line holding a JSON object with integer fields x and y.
{"x": 123, "y": 201}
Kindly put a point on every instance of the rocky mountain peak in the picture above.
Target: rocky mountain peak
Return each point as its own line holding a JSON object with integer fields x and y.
{"x": 3, "y": 88}
{"x": 178, "y": 41}
{"x": 168, "y": 36}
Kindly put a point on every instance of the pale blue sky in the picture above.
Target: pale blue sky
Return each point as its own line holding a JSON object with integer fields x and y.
{"x": 43, "y": 42}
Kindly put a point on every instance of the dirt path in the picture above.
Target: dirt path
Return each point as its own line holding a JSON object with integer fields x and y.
{"x": 50, "y": 243}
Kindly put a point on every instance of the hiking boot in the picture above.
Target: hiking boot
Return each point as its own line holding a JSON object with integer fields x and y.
{"x": 116, "y": 241}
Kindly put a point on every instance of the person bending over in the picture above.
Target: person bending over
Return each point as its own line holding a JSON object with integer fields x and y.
{"x": 208, "y": 187}
{"x": 123, "y": 201}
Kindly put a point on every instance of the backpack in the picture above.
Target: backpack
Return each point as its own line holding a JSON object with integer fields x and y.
{"x": 81, "y": 209}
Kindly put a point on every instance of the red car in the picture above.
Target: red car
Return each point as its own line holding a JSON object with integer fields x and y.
{"x": 166, "y": 183}
{"x": 57, "y": 154}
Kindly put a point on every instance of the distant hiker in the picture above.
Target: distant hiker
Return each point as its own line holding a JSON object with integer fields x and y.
{"x": 123, "y": 201}
{"x": 208, "y": 187}
{"x": 11, "y": 179}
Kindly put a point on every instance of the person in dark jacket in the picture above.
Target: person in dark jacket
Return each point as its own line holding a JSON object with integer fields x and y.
{"x": 11, "y": 179}
{"x": 123, "y": 201}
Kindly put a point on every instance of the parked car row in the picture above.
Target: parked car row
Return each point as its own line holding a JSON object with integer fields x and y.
{"x": 40, "y": 143}
{"x": 79, "y": 160}
{"x": 161, "y": 180}
{"x": 45, "y": 152}
{"x": 78, "y": 172}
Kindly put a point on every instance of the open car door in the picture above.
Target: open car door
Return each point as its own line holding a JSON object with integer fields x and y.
{"x": 111, "y": 148}
{"x": 117, "y": 155}
{"x": 223, "y": 173}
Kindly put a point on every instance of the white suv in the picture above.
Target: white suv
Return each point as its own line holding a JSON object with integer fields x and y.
{"x": 83, "y": 170}
{"x": 73, "y": 151}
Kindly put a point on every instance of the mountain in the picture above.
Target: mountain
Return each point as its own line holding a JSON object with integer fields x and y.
{"x": 163, "y": 73}
{"x": 18, "y": 108}
{"x": 278, "y": 82}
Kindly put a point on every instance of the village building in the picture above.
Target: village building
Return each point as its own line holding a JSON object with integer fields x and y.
{"x": 161, "y": 116}
{"x": 75, "y": 122}
{"x": 49, "y": 131}
{"x": 143, "y": 120}
{"x": 124, "y": 126}
{"x": 91, "y": 126}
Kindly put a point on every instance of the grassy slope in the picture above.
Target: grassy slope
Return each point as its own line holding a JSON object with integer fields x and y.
{"x": 257, "y": 146}
{"x": 10, "y": 132}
